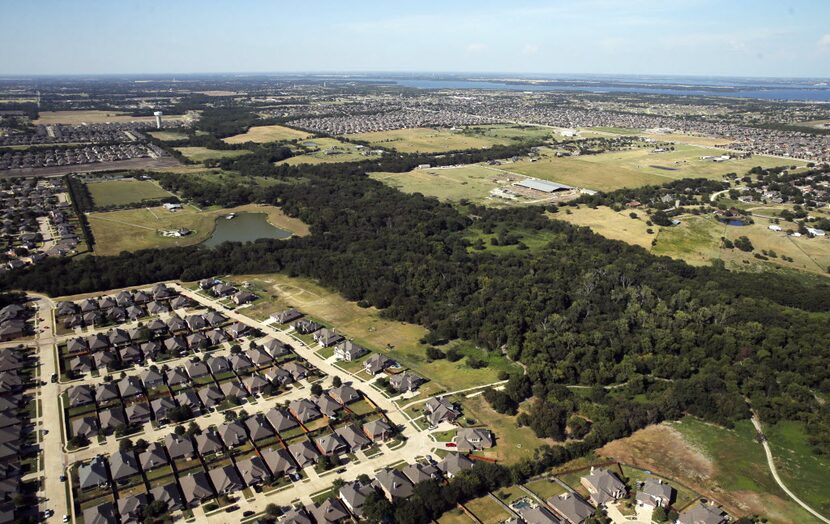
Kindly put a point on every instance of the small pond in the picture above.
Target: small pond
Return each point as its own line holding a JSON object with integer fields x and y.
{"x": 244, "y": 227}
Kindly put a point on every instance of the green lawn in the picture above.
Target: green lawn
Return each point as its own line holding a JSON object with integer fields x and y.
{"x": 108, "y": 193}
{"x": 168, "y": 136}
{"x": 263, "y": 134}
{"x": 427, "y": 140}
{"x": 802, "y": 471}
{"x": 487, "y": 510}
{"x": 200, "y": 154}
{"x": 325, "y": 150}
{"x": 472, "y": 182}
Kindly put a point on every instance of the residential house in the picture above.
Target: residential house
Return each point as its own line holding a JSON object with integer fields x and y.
{"x": 454, "y": 463}
{"x": 354, "y": 495}
{"x": 131, "y": 509}
{"x": 226, "y": 479}
{"x": 196, "y": 488}
{"x": 286, "y": 316}
{"x": 153, "y": 457}
{"x": 331, "y": 511}
{"x": 179, "y": 446}
{"x": 377, "y": 430}
{"x": 169, "y": 495}
{"x": 394, "y": 483}
{"x": 703, "y": 513}
{"x": 138, "y": 413}
{"x": 304, "y": 452}
{"x": 473, "y": 439}
{"x": 232, "y": 434}
{"x": 331, "y": 444}
{"x": 345, "y": 394}
{"x": 571, "y": 508}
{"x": 377, "y": 363}
{"x": 279, "y": 461}
{"x": 405, "y": 382}
{"x": 603, "y": 486}
{"x": 440, "y": 409}
{"x": 654, "y": 493}
{"x": 123, "y": 465}
{"x": 327, "y": 337}
{"x": 348, "y": 350}
{"x": 253, "y": 470}
{"x": 94, "y": 474}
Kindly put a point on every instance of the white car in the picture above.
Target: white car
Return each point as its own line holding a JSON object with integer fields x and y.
{"x": 66, "y": 518}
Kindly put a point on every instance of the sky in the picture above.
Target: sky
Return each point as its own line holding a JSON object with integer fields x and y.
{"x": 771, "y": 38}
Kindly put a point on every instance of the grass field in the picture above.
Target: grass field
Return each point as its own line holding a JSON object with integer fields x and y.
{"x": 726, "y": 465}
{"x": 135, "y": 229}
{"x": 326, "y": 150}
{"x": 263, "y": 134}
{"x": 487, "y": 510}
{"x": 90, "y": 117}
{"x": 512, "y": 442}
{"x": 200, "y": 154}
{"x": 473, "y": 182}
{"x": 398, "y": 340}
{"x": 427, "y": 140}
{"x": 638, "y": 167}
{"x": 168, "y": 135}
{"x": 617, "y": 225}
{"x": 455, "y": 516}
{"x": 120, "y": 192}
{"x": 696, "y": 240}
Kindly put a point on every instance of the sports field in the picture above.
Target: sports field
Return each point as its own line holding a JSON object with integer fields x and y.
{"x": 398, "y": 340}
{"x": 726, "y": 465}
{"x": 200, "y": 154}
{"x": 135, "y": 229}
{"x": 87, "y": 116}
{"x": 326, "y": 150}
{"x": 108, "y": 193}
{"x": 473, "y": 182}
{"x": 638, "y": 167}
{"x": 427, "y": 140}
{"x": 263, "y": 134}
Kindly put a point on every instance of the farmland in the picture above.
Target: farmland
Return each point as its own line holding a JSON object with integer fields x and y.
{"x": 726, "y": 465}
{"x": 427, "y": 140}
{"x": 135, "y": 229}
{"x": 264, "y": 134}
{"x": 121, "y": 192}
{"x": 472, "y": 182}
{"x": 200, "y": 154}
{"x": 168, "y": 136}
{"x": 89, "y": 117}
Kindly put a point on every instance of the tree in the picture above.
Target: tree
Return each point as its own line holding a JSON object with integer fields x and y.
{"x": 336, "y": 381}
{"x": 316, "y": 389}
{"x": 743, "y": 243}
{"x": 272, "y": 510}
{"x": 179, "y": 430}
{"x": 125, "y": 444}
{"x": 433, "y": 353}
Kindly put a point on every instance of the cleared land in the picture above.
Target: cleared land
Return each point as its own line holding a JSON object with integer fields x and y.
{"x": 326, "y": 150}
{"x": 398, "y": 340}
{"x": 473, "y": 182}
{"x": 617, "y": 225}
{"x": 168, "y": 135}
{"x": 726, "y": 465}
{"x": 513, "y": 443}
{"x": 135, "y": 229}
{"x": 638, "y": 167}
{"x": 427, "y": 140}
{"x": 90, "y": 117}
{"x": 263, "y": 134}
{"x": 121, "y": 192}
{"x": 200, "y": 154}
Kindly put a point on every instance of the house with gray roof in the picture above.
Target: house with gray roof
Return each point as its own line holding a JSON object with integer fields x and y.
{"x": 440, "y": 409}
{"x": 241, "y": 363}
{"x": 77, "y": 345}
{"x": 258, "y": 357}
{"x": 105, "y": 360}
{"x": 211, "y": 395}
{"x": 218, "y": 365}
{"x": 275, "y": 348}
{"x": 237, "y": 329}
{"x": 297, "y": 370}
{"x": 654, "y": 493}
{"x": 258, "y": 427}
{"x": 454, "y": 463}
{"x": 304, "y": 410}
{"x": 93, "y": 474}
{"x": 331, "y": 511}
{"x": 286, "y": 316}
{"x": 123, "y": 465}
{"x": 189, "y": 399}
{"x": 304, "y": 453}
{"x": 354, "y": 495}
{"x": 197, "y": 369}
{"x": 80, "y": 395}
{"x": 129, "y": 386}
{"x": 255, "y": 383}
{"x": 179, "y": 446}
{"x": 349, "y": 351}
{"x": 537, "y": 515}
{"x": 118, "y": 337}
{"x": 100, "y": 514}
{"x": 176, "y": 376}
{"x": 232, "y": 434}
{"x": 214, "y": 318}
{"x": 296, "y": 516}
{"x": 209, "y": 442}
{"x": 353, "y": 436}
{"x": 571, "y": 508}
{"x": 226, "y": 479}
{"x": 345, "y": 394}
{"x": 177, "y": 344}
{"x": 327, "y": 337}
{"x": 138, "y": 413}
{"x": 418, "y": 472}
{"x": 85, "y": 426}
{"x": 198, "y": 340}
{"x": 81, "y": 364}
{"x": 233, "y": 388}
{"x": 195, "y": 488}
{"x": 603, "y": 486}
{"x": 377, "y": 363}
{"x": 473, "y": 439}
{"x": 112, "y": 418}
{"x": 405, "y": 382}
{"x": 216, "y": 337}
{"x": 326, "y": 405}
{"x": 162, "y": 407}
{"x": 253, "y": 470}
{"x": 168, "y": 495}
{"x": 280, "y": 419}
{"x": 279, "y": 461}
{"x": 703, "y": 513}
{"x": 153, "y": 457}
{"x": 131, "y": 509}
{"x": 105, "y": 392}
{"x": 152, "y": 378}
{"x": 394, "y": 484}
{"x": 331, "y": 444}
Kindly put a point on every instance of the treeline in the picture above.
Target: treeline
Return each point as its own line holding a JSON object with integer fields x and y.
{"x": 81, "y": 202}
{"x": 688, "y": 191}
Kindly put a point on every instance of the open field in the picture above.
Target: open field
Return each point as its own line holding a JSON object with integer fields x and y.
{"x": 168, "y": 135}
{"x": 120, "y": 192}
{"x": 326, "y": 150}
{"x": 427, "y": 140}
{"x": 200, "y": 154}
{"x": 398, "y": 340}
{"x": 473, "y": 182}
{"x": 513, "y": 132}
{"x": 638, "y": 167}
{"x": 263, "y": 134}
{"x": 695, "y": 140}
{"x": 801, "y": 470}
{"x": 135, "y": 229}
{"x": 89, "y": 117}
{"x": 487, "y": 510}
{"x": 617, "y": 225}
{"x": 697, "y": 239}
{"x": 512, "y": 442}
{"x": 726, "y": 465}
{"x": 455, "y": 516}
{"x": 158, "y": 164}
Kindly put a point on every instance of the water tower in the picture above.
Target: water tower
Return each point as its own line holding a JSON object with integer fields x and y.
{"x": 158, "y": 114}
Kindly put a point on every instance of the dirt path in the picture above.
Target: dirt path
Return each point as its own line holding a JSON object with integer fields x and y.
{"x": 771, "y": 463}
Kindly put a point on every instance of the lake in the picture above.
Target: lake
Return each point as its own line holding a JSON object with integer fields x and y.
{"x": 244, "y": 228}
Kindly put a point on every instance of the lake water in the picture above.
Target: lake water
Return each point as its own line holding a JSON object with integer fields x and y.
{"x": 245, "y": 227}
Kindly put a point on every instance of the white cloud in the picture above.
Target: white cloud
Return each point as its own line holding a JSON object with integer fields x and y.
{"x": 530, "y": 49}
{"x": 824, "y": 41}
{"x": 476, "y": 47}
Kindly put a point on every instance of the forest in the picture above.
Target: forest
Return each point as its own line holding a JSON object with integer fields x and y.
{"x": 583, "y": 310}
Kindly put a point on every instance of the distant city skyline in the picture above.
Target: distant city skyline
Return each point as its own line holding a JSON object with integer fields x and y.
{"x": 763, "y": 38}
